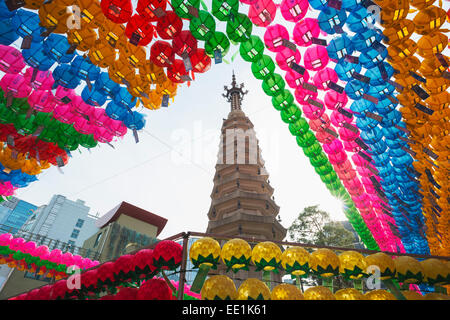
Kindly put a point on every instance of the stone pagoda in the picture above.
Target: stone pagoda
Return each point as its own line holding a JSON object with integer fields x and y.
{"x": 242, "y": 198}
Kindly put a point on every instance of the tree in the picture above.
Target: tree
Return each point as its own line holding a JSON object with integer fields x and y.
{"x": 314, "y": 226}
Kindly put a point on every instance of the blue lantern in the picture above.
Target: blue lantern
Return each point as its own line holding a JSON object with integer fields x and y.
{"x": 83, "y": 68}
{"x": 64, "y": 77}
{"x": 56, "y": 46}
{"x": 105, "y": 85}
{"x": 345, "y": 69}
{"x": 26, "y": 24}
{"x": 329, "y": 18}
{"x": 93, "y": 97}
{"x": 339, "y": 47}
{"x": 363, "y": 40}
{"x": 36, "y": 57}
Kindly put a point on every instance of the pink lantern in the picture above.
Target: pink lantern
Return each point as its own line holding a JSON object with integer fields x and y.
{"x": 28, "y": 247}
{"x": 334, "y": 100}
{"x": 41, "y": 100}
{"x": 305, "y": 30}
{"x": 347, "y": 135}
{"x": 63, "y": 113}
{"x": 285, "y": 57}
{"x": 78, "y": 106}
{"x": 98, "y": 116}
{"x": 102, "y": 135}
{"x": 345, "y": 174}
{"x": 250, "y": 2}
{"x": 337, "y": 158}
{"x": 55, "y": 256}
{"x": 11, "y": 60}
{"x": 346, "y": 166}
{"x": 338, "y": 119}
{"x": 115, "y": 127}
{"x": 262, "y": 12}
{"x": 320, "y": 123}
{"x": 295, "y": 79}
{"x": 82, "y": 125}
{"x": 325, "y": 137}
{"x": 294, "y": 10}
{"x": 16, "y": 84}
{"x": 315, "y": 58}
{"x": 302, "y": 95}
{"x": 351, "y": 146}
{"x": 41, "y": 251}
{"x": 77, "y": 260}
{"x": 67, "y": 259}
{"x": 43, "y": 79}
{"x": 6, "y": 188}
{"x": 333, "y": 147}
{"x": 359, "y": 161}
{"x": 62, "y": 93}
{"x": 5, "y": 239}
{"x": 16, "y": 244}
{"x": 312, "y": 112}
{"x": 323, "y": 77}
{"x": 273, "y": 37}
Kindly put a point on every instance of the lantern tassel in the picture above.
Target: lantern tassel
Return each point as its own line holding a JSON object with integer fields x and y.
{"x": 200, "y": 278}
{"x": 357, "y": 284}
{"x": 299, "y": 283}
{"x": 266, "y": 278}
{"x": 393, "y": 289}
{"x": 328, "y": 283}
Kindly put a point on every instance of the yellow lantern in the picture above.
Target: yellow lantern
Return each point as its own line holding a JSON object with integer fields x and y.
{"x": 318, "y": 293}
{"x": 408, "y": 270}
{"x": 204, "y": 254}
{"x": 324, "y": 263}
{"x": 219, "y": 288}
{"x": 383, "y": 262}
{"x": 286, "y": 291}
{"x": 436, "y": 296}
{"x": 236, "y": 254}
{"x": 352, "y": 264}
{"x": 205, "y": 251}
{"x": 435, "y": 271}
{"x": 349, "y": 294}
{"x": 266, "y": 256}
{"x": 253, "y": 289}
{"x": 295, "y": 260}
{"x": 379, "y": 295}
{"x": 412, "y": 295}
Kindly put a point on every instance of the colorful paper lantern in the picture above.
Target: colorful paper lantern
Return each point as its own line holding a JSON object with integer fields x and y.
{"x": 318, "y": 293}
{"x": 167, "y": 255}
{"x": 236, "y": 254}
{"x": 349, "y": 294}
{"x": 408, "y": 270}
{"x": 219, "y": 287}
{"x": 266, "y": 256}
{"x": 324, "y": 263}
{"x": 253, "y": 289}
{"x": 286, "y": 291}
{"x": 295, "y": 260}
{"x": 379, "y": 295}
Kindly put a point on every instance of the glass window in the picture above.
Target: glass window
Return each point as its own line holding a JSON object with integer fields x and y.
{"x": 79, "y": 223}
{"x": 71, "y": 242}
{"x": 75, "y": 233}
{"x": 97, "y": 239}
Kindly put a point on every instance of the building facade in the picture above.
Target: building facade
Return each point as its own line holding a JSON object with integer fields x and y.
{"x": 14, "y": 213}
{"x": 63, "y": 220}
{"x": 123, "y": 227}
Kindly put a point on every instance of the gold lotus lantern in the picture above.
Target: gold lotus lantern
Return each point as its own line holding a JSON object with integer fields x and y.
{"x": 324, "y": 263}
{"x": 286, "y": 291}
{"x": 435, "y": 271}
{"x": 236, "y": 254}
{"x": 267, "y": 257}
{"x": 412, "y": 295}
{"x": 379, "y": 295}
{"x": 352, "y": 265}
{"x": 436, "y": 296}
{"x": 349, "y": 294}
{"x": 295, "y": 261}
{"x": 318, "y": 293}
{"x": 384, "y": 262}
{"x": 408, "y": 270}
{"x": 253, "y": 289}
{"x": 204, "y": 254}
{"x": 219, "y": 287}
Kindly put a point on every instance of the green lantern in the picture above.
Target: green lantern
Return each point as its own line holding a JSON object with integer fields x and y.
{"x": 252, "y": 49}
{"x": 299, "y": 127}
{"x": 283, "y": 100}
{"x": 25, "y": 125}
{"x": 88, "y": 141}
{"x": 312, "y": 150}
{"x": 20, "y": 105}
{"x": 6, "y": 115}
{"x": 181, "y": 7}
{"x": 225, "y": 10}
{"x": 319, "y": 160}
{"x": 273, "y": 85}
{"x": 239, "y": 29}
{"x": 291, "y": 114}
{"x": 329, "y": 177}
{"x": 325, "y": 169}
{"x": 306, "y": 139}
{"x": 263, "y": 67}
{"x": 49, "y": 135}
{"x": 218, "y": 41}
{"x": 203, "y": 26}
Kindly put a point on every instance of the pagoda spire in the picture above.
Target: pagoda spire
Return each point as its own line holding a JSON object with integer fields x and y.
{"x": 235, "y": 94}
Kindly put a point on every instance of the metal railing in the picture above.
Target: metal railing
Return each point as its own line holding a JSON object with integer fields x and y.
{"x": 42, "y": 240}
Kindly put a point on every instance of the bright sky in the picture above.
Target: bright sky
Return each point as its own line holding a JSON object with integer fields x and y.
{"x": 170, "y": 171}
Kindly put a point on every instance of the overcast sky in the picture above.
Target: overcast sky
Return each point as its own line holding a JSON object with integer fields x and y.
{"x": 170, "y": 171}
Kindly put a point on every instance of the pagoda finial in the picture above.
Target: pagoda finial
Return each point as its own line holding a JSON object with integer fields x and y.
{"x": 235, "y": 94}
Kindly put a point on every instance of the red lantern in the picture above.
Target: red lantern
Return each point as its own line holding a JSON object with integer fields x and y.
{"x": 126, "y": 294}
{"x": 200, "y": 61}
{"x": 154, "y": 289}
{"x": 139, "y": 30}
{"x": 151, "y": 9}
{"x": 169, "y": 26}
{"x": 106, "y": 273}
{"x": 123, "y": 266}
{"x": 89, "y": 279}
{"x": 162, "y": 54}
{"x": 176, "y": 71}
{"x": 118, "y": 11}
{"x": 143, "y": 261}
{"x": 167, "y": 255}
{"x": 184, "y": 42}
{"x": 59, "y": 289}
